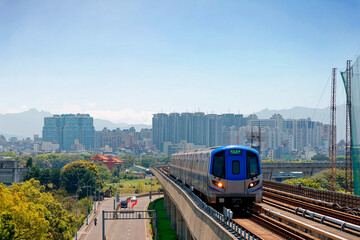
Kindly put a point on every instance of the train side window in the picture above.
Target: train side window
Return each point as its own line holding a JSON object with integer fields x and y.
{"x": 236, "y": 167}
{"x": 218, "y": 168}
{"x": 252, "y": 164}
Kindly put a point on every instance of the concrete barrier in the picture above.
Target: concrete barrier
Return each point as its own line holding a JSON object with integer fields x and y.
{"x": 199, "y": 224}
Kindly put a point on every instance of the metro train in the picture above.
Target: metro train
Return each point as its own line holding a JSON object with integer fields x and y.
{"x": 223, "y": 176}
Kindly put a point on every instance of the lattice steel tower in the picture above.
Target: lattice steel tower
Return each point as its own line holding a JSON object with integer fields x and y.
{"x": 332, "y": 140}
{"x": 348, "y": 152}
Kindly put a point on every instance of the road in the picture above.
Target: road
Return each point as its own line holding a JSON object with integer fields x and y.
{"x": 118, "y": 229}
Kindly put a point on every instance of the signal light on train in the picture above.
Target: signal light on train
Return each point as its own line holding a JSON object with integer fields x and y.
{"x": 253, "y": 184}
{"x": 219, "y": 184}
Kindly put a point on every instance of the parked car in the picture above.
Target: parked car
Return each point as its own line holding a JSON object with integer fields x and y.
{"x": 133, "y": 199}
{"x": 123, "y": 204}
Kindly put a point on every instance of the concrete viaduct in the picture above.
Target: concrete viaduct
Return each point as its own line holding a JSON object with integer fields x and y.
{"x": 308, "y": 169}
{"x": 189, "y": 221}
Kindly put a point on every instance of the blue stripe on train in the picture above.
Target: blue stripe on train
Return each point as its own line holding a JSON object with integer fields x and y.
{"x": 249, "y": 191}
{"x": 214, "y": 189}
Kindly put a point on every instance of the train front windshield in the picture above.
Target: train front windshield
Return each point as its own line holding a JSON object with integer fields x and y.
{"x": 252, "y": 165}
{"x": 218, "y": 169}
{"x": 235, "y": 165}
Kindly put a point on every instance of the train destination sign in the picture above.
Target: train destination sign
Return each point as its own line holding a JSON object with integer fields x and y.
{"x": 235, "y": 152}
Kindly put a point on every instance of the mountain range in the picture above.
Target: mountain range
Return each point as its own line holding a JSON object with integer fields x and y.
{"x": 28, "y": 123}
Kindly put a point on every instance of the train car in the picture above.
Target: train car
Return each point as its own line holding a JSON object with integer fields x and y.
{"x": 223, "y": 176}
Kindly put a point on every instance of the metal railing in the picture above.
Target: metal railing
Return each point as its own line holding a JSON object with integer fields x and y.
{"x": 341, "y": 199}
{"x": 223, "y": 219}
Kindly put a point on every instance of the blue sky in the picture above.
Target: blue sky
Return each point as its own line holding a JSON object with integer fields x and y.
{"x": 124, "y": 60}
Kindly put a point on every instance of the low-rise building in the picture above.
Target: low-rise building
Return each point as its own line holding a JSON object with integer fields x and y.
{"x": 109, "y": 161}
{"x": 10, "y": 172}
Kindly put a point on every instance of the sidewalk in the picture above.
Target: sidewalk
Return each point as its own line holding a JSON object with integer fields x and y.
{"x": 82, "y": 232}
{"x": 87, "y": 232}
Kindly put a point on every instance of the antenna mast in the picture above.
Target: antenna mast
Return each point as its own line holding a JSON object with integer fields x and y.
{"x": 332, "y": 142}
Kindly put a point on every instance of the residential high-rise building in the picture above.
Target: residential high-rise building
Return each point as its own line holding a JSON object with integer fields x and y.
{"x": 275, "y": 135}
{"x": 173, "y": 135}
{"x": 65, "y": 129}
{"x": 159, "y": 124}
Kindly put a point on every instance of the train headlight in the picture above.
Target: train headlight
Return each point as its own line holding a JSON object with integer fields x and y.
{"x": 218, "y": 184}
{"x": 253, "y": 184}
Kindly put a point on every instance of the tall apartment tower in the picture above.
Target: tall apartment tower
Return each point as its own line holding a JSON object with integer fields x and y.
{"x": 159, "y": 124}
{"x": 66, "y": 128}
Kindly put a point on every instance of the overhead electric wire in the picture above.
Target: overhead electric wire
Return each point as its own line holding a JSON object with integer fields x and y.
{"x": 321, "y": 96}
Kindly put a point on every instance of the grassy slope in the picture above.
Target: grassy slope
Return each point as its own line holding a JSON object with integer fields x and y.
{"x": 164, "y": 224}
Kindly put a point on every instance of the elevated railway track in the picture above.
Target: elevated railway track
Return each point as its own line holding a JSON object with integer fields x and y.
{"x": 295, "y": 204}
{"x": 276, "y": 217}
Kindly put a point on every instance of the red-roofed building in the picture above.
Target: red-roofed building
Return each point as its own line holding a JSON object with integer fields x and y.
{"x": 110, "y": 162}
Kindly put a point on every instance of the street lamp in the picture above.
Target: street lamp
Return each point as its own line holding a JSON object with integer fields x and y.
{"x": 150, "y": 190}
{"x": 76, "y": 196}
{"x": 87, "y": 198}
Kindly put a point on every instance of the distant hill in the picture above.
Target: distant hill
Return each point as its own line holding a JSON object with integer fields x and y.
{"x": 24, "y": 124}
{"x": 28, "y": 123}
{"x": 320, "y": 115}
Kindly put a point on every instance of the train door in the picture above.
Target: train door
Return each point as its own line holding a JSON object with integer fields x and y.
{"x": 235, "y": 170}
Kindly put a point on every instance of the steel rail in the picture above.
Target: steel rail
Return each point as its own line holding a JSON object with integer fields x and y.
{"x": 323, "y": 219}
{"x": 229, "y": 225}
{"x": 278, "y": 229}
{"x": 315, "y": 208}
{"x": 332, "y": 205}
{"x": 304, "y": 225}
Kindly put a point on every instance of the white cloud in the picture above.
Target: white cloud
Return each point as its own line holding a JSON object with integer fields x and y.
{"x": 91, "y": 104}
{"x": 126, "y": 115}
{"x": 123, "y": 115}
{"x": 23, "y": 108}
{"x": 70, "y": 108}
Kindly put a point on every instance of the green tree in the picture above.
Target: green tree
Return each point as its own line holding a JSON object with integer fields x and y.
{"x": 320, "y": 157}
{"x": 304, "y": 182}
{"x": 34, "y": 172}
{"x": 115, "y": 172}
{"x": 52, "y": 219}
{"x": 29, "y": 163}
{"x": 44, "y": 177}
{"x": 104, "y": 171}
{"x": 55, "y": 177}
{"x": 324, "y": 179}
{"x": 77, "y": 174}
{"x": 8, "y": 154}
{"x": 166, "y": 160}
{"x": 56, "y": 160}
{"x": 129, "y": 160}
{"x": 147, "y": 160}
{"x": 7, "y": 227}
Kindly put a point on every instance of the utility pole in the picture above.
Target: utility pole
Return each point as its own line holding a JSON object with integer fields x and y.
{"x": 259, "y": 140}
{"x": 332, "y": 140}
{"x": 348, "y": 148}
